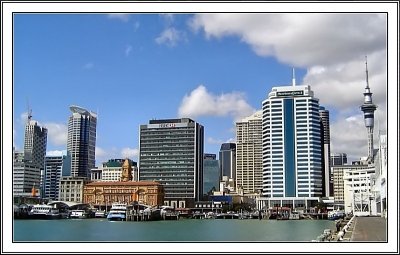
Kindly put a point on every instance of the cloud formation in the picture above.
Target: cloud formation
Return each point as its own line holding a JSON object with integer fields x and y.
{"x": 57, "y": 133}
{"x": 331, "y": 47}
{"x": 128, "y": 50}
{"x": 120, "y": 16}
{"x": 200, "y": 102}
{"x": 129, "y": 153}
{"x": 170, "y": 37}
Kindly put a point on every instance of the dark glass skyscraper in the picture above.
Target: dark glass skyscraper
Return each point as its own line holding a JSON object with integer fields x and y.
{"x": 171, "y": 153}
{"x": 227, "y": 160}
{"x": 81, "y": 142}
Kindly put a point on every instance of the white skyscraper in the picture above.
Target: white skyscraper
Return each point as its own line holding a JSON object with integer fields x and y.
{"x": 249, "y": 154}
{"x": 291, "y": 138}
{"x": 81, "y": 141}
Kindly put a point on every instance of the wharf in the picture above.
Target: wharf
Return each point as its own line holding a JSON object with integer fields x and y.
{"x": 362, "y": 229}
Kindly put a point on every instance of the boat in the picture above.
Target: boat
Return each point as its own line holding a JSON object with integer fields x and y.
{"x": 169, "y": 213}
{"x": 334, "y": 215}
{"x": 294, "y": 215}
{"x": 117, "y": 212}
{"x": 100, "y": 214}
{"x": 78, "y": 214}
{"x": 46, "y": 212}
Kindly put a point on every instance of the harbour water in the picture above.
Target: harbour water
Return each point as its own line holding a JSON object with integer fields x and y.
{"x": 183, "y": 230}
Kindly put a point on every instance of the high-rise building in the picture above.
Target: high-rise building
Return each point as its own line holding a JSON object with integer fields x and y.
{"x": 327, "y": 184}
{"x": 249, "y": 175}
{"x": 338, "y": 159}
{"x": 81, "y": 142}
{"x": 227, "y": 160}
{"x": 211, "y": 174}
{"x": 29, "y": 164}
{"x": 171, "y": 153}
{"x": 369, "y": 108}
{"x": 54, "y": 167}
{"x": 35, "y": 143}
{"x": 292, "y": 151}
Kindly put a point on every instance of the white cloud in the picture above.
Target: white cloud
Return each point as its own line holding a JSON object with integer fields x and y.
{"x": 57, "y": 133}
{"x": 88, "y": 65}
{"x": 129, "y": 153}
{"x": 202, "y": 103}
{"x": 211, "y": 140}
{"x": 331, "y": 47}
{"x": 56, "y": 153}
{"x": 100, "y": 153}
{"x": 171, "y": 36}
{"x": 128, "y": 50}
{"x": 119, "y": 16}
{"x": 136, "y": 26}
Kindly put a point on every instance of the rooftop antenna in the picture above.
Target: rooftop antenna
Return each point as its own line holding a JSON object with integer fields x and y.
{"x": 29, "y": 112}
{"x": 366, "y": 70}
{"x": 293, "y": 78}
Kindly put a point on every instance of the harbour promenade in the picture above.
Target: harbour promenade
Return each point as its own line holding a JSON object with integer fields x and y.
{"x": 363, "y": 229}
{"x": 370, "y": 229}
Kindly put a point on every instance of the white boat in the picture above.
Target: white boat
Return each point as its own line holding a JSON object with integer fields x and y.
{"x": 117, "y": 212}
{"x": 47, "y": 212}
{"x": 100, "y": 214}
{"x": 334, "y": 215}
{"x": 78, "y": 214}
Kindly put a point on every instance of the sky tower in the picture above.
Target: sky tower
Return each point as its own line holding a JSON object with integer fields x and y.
{"x": 369, "y": 108}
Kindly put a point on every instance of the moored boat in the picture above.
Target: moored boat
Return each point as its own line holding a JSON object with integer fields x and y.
{"x": 46, "y": 212}
{"x": 117, "y": 212}
{"x": 78, "y": 214}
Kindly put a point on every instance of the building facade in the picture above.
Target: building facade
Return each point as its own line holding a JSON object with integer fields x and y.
{"x": 211, "y": 174}
{"x": 54, "y": 167}
{"x": 338, "y": 159}
{"x": 35, "y": 143}
{"x": 327, "y": 177}
{"x": 227, "y": 160}
{"x": 171, "y": 153}
{"x": 103, "y": 194}
{"x": 71, "y": 188}
{"x": 249, "y": 176}
{"x": 81, "y": 141}
{"x": 292, "y": 149}
{"x": 26, "y": 175}
{"x": 111, "y": 171}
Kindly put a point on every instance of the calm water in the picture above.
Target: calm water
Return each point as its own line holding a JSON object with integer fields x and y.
{"x": 181, "y": 230}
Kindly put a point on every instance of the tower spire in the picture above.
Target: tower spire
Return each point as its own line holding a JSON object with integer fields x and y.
{"x": 368, "y": 108}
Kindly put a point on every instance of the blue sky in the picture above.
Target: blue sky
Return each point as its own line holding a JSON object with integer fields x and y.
{"x": 214, "y": 68}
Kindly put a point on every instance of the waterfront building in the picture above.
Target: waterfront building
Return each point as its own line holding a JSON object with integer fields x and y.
{"x": 26, "y": 176}
{"x": 249, "y": 154}
{"x": 53, "y": 170}
{"x": 327, "y": 184}
{"x": 358, "y": 193}
{"x": 227, "y": 160}
{"x": 292, "y": 149}
{"x": 111, "y": 171}
{"x": 211, "y": 174}
{"x": 81, "y": 141}
{"x": 103, "y": 194}
{"x": 338, "y": 159}
{"x": 338, "y": 184}
{"x": 380, "y": 177}
{"x": 71, "y": 188}
{"x": 171, "y": 153}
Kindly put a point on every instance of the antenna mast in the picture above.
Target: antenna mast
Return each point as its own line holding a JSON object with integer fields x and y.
{"x": 29, "y": 112}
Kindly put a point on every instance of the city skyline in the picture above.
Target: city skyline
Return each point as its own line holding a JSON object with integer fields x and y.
{"x": 213, "y": 68}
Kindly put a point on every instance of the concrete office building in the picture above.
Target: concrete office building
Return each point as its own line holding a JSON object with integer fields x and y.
{"x": 171, "y": 153}
{"x": 292, "y": 149}
{"x": 227, "y": 160}
{"x": 249, "y": 154}
{"x": 111, "y": 170}
{"x": 81, "y": 141}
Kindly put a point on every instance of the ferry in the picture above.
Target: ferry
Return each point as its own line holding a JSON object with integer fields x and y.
{"x": 118, "y": 212}
{"x": 100, "y": 214}
{"x": 46, "y": 212}
{"x": 78, "y": 214}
